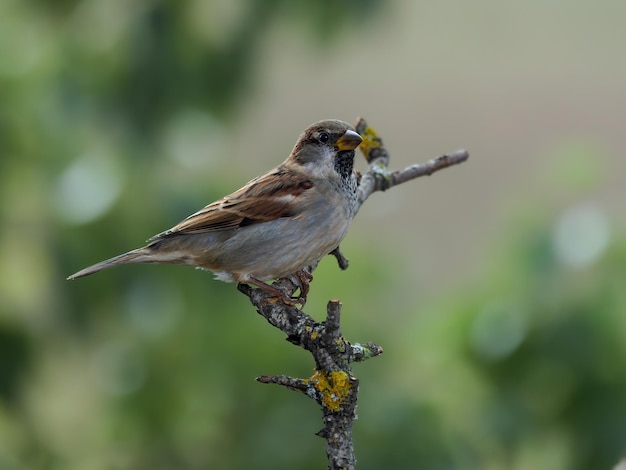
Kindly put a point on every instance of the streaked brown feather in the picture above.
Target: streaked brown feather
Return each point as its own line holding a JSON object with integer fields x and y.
{"x": 270, "y": 196}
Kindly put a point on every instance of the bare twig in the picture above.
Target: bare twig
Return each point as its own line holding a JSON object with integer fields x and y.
{"x": 379, "y": 178}
{"x": 332, "y": 384}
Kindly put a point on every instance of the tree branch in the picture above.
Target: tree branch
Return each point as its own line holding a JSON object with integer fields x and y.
{"x": 332, "y": 385}
{"x": 379, "y": 178}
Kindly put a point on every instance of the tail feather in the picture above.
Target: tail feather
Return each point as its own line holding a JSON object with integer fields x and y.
{"x": 140, "y": 255}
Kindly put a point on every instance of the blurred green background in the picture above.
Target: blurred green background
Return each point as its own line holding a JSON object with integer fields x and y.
{"x": 496, "y": 287}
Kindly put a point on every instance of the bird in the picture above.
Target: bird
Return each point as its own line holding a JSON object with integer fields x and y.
{"x": 276, "y": 225}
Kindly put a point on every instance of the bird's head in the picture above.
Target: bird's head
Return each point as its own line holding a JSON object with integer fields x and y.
{"x": 326, "y": 149}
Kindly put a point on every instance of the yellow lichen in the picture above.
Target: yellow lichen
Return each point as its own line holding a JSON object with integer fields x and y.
{"x": 333, "y": 387}
{"x": 370, "y": 141}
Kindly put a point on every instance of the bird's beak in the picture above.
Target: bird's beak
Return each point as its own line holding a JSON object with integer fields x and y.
{"x": 348, "y": 141}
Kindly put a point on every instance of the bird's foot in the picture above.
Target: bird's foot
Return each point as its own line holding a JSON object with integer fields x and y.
{"x": 304, "y": 278}
{"x": 277, "y": 295}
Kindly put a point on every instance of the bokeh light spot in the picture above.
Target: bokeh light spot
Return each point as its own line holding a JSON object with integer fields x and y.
{"x": 194, "y": 139}
{"x": 87, "y": 189}
{"x": 581, "y": 235}
{"x": 498, "y": 331}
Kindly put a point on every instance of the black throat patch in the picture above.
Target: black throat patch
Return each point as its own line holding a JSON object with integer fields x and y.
{"x": 344, "y": 163}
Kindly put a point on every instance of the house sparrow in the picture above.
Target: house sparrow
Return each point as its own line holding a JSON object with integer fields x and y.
{"x": 274, "y": 226}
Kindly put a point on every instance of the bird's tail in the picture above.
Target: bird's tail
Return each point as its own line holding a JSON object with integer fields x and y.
{"x": 140, "y": 255}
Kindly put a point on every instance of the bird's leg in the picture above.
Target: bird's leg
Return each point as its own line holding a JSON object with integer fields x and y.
{"x": 277, "y": 293}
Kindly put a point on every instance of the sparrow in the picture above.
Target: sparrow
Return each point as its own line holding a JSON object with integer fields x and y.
{"x": 276, "y": 225}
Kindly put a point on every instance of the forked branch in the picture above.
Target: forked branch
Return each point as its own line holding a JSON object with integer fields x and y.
{"x": 332, "y": 385}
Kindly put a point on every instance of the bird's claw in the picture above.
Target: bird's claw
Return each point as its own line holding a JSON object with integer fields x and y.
{"x": 303, "y": 276}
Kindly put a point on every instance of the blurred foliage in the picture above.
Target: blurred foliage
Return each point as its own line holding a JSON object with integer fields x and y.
{"x": 105, "y": 109}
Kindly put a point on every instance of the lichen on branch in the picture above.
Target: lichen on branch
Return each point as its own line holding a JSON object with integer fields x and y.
{"x": 332, "y": 385}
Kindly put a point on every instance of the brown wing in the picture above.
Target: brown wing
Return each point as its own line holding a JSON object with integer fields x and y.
{"x": 268, "y": 197}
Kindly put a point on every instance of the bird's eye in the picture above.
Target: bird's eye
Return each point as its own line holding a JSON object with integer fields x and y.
{"x": 323, "y": 137}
